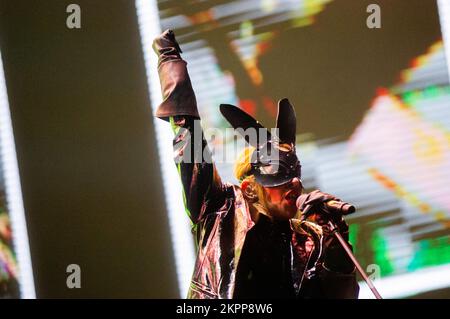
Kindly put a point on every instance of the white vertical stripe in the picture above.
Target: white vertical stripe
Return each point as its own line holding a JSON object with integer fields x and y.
{"x": 13, "y": 190}
{"x": 444, "y": 15}
{"x": 149, "y": 26}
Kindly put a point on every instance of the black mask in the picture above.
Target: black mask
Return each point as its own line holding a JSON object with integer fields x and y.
{"x": 273, "y": 163}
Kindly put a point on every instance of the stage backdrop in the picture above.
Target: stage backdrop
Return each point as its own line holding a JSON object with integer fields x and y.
{"x": 372, "y": 107}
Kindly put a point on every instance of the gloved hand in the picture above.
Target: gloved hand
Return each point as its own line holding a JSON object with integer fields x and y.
{"x": 178, "y": 95}
{"x": 318, "y": 211}
{"x": 166, "y": 47}
{"x": 335, "y": 257}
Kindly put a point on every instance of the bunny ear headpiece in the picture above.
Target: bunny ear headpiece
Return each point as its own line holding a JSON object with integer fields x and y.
{"x": 274, "y": 161}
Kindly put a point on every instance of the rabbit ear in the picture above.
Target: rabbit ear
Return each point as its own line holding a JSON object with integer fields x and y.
{"x": 242, "y": 120}
{"x": 286, "y": 122}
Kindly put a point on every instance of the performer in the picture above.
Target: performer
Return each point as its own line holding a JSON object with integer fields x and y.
{"x": 249, "y": 245}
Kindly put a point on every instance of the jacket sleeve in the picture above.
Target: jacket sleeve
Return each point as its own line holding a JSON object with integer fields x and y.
{"x": 336, "y": 276}
{"x": 335, "y": 285}
{"x": 203, "y": 189}
{"x": 329, "y": 274}
{"x": 330, "y": 284}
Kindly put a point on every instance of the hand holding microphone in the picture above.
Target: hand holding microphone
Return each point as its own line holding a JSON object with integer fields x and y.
{"x": 330, "y": 203}
{"x": 326, "y": 210}
{"x": 330, "y": 211}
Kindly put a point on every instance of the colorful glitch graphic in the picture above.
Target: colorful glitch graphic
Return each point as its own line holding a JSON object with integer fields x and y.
{"x": 394, "y": 167}
{"x": 14, "y": 250}
{"x": 223, "y": 42}
{"x": 404, "y": 141}
{"x": 9, "y": 287}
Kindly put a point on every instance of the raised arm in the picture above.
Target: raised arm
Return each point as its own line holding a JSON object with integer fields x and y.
{"x": 203, "y": 189}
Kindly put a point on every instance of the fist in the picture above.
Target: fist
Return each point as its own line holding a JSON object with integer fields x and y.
{"x": 318, "y": 212}
{"x": 165, "y": 43}
{"x": 313, "y": 199}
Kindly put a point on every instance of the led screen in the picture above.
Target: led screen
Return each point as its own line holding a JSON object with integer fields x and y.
{"x": 16, "y": 277}
{"x": 372, "y": 107}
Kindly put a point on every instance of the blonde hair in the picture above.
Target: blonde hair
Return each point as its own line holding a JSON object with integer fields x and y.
{"x": 242, "y": 169}
{"x": 243, "y": 165}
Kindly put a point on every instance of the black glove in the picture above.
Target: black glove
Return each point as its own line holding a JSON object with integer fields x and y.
{"x": 319, "y": 212}
{"x": 166, "y": 47}
{"x": 178, "y": 95}
{"x": 335, "y": 257}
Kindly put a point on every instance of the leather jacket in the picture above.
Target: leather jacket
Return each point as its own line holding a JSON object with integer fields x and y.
{"x": 219, "y": 212}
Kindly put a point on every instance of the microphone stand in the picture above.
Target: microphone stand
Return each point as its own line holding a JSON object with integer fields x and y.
{"x": 335, "y": 231}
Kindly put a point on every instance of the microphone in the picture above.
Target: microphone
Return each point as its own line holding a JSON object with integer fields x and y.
{"x": 333, "y": 206}
{"x": 340, "y": 207}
